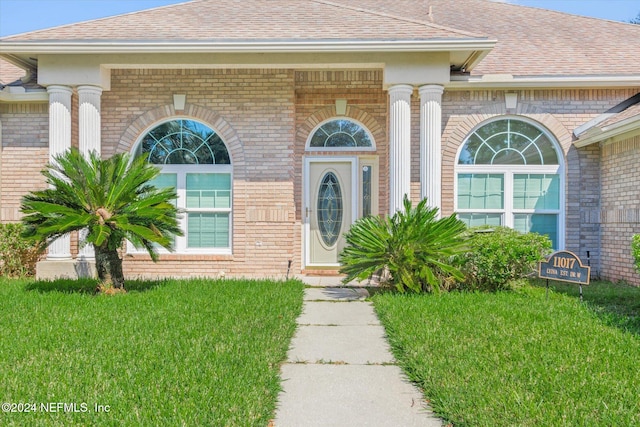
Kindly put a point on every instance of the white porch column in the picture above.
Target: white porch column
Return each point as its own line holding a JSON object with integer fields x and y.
{"x": 399, "y": 145}
{"x": 89, "y": 138}
{"x": 59, "y": 142}
{"x": 431, "y": 144}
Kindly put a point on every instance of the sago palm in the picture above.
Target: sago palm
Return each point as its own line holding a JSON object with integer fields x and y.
{"x": 413, "y": 246}
{"x": 112, "y": 199}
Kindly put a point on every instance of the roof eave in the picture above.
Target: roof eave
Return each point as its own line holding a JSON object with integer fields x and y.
{"x": 250, "y": 46}
{"x": 508, "y": 81}
{"x": 601, "y": 134}
{"x": 36, "y": 96}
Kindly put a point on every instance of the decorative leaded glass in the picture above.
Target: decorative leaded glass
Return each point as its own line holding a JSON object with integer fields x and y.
{"x": 330, "y": 209}
{"x": 340, "y": 133}
{"x": 366, "y": 190}
{"x": 184, "y": 142}
{"x": 508, "y": 142}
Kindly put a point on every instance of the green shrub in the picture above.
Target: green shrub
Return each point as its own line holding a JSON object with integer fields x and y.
{"x": 18, "y": 256}
{"x": 410, "y": 250}
{"x": 635, "y": 251}
{"x": 500, "y": 258}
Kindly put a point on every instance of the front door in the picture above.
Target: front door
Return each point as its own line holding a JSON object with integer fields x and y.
{"x": 330, "y": 199}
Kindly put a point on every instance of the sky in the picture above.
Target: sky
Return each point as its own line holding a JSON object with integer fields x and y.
{"x": 19, "y": 16}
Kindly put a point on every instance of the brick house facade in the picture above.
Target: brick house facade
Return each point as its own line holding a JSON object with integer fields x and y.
{"x": 418, "y": 98}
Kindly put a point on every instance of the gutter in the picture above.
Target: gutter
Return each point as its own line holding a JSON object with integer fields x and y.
{"x": 116, "y": 46}
{"x": 508, "y": 81}
{"x": 597, "y": 134}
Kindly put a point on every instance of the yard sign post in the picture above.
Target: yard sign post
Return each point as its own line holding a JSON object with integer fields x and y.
{"x": 564, "y": 266}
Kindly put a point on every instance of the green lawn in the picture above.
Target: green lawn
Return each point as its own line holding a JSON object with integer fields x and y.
{"x": 520, "y": 359}
{"x": 173, "y": 352}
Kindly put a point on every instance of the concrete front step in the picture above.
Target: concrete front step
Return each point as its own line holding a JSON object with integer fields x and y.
{"x": 335, "y": 294}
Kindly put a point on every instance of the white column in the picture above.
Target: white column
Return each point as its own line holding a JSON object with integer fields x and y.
{"x": 59, "y": 142}
{"x": 431, "y": 144}
{"x": 89, "y": 139}
{"x": 399, "y": 145}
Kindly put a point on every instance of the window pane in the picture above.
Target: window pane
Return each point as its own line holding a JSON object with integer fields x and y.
{"x": 183, "y": 142}
{"x": 208, "y": 230}
{"x": 476, "y": 220}
{"x": 507, "y": 142}
{"x": 330, "y": 209}
{"x": 538, "y": 223}
{"x": 166, "y": 180}
{"x": 366, "y": 190}
{"x": 536, "y": 191}
{"x": 480, "y": 191}
{"x": 208, "y": 190}
{"x": 340, "y": 133}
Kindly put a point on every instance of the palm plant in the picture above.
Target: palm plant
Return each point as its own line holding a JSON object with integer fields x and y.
{"x": 112, "y": 199}
{"x": 413, "y": 247}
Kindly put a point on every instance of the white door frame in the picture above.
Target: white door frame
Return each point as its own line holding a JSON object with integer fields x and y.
{"x": 307, "y": 199}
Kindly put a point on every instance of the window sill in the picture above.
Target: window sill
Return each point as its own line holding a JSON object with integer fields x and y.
{"x": 180, "y": 257}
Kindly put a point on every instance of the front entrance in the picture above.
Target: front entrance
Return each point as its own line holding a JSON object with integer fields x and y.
{"x": 329, "y": 208}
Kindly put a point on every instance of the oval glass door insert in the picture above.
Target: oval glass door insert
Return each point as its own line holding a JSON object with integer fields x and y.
{"x": 330, "y": 209}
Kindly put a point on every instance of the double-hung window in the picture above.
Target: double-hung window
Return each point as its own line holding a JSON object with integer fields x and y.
{"x": 509, "y": 173}
{"x": 195, "y": 161}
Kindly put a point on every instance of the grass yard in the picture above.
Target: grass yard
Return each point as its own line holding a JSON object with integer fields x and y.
{"x": 518, "y": 359}
{"x": 172, "y": 352}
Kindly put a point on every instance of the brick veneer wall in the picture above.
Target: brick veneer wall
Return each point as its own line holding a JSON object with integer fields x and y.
{"x": 620, "y": 208}
{"x": 253, "y": 111}
{"x": 25, "y": 151}
{"x": 265, "y": 116}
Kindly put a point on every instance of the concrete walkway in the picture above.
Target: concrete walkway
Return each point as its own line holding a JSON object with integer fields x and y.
{"x": 340, "y": 371}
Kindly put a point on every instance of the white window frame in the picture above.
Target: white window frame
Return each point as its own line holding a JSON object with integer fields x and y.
{"x": 315, "y": 129}
{"x": 181, "y": 171}
{"x": 508, "y": 172}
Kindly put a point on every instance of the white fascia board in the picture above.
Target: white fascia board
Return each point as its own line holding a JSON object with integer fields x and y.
{"x": 58, "y": 47}
{"x": 610, "y": 133}
{"x": 41, "y": 96}
{"x": 507, "y": 81}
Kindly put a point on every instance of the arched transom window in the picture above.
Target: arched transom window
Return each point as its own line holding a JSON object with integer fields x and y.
{"x": 194, "y": 159}
{"x": 340, "y": 134}
{"x": 509, "y": 173}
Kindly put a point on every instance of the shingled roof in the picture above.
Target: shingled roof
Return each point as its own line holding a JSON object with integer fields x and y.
{"x": 531, "y": 41}
{"x": 9, "y": 73}
{"x": 226, "y": 20}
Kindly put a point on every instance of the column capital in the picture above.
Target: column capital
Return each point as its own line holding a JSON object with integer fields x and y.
{"x": 401, "y": 90}
{"x": 59, "y": 89}
{"x": 431, "y": 90}
{"x": 90, "y": 90}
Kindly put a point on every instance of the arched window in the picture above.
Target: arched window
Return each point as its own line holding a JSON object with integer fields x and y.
{"x": 194, "y": 159}
{"x": 509, "y": 173}
{"x": 340, "y": 134}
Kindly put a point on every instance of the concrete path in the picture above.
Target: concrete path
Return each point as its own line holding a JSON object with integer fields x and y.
{"x": 340, "y": 371}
